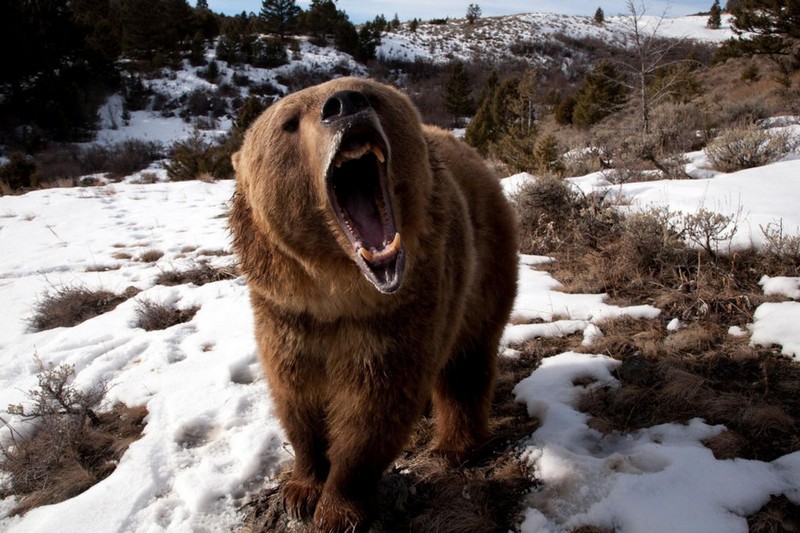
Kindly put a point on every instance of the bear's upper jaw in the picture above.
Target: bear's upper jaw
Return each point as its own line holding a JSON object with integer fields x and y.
{"x": 358, "y": 190}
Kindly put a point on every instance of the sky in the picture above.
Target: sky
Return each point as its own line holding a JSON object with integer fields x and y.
{"x": 424, "y": 9}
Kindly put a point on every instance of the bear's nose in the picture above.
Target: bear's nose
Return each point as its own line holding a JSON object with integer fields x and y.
{"x": 342, "y": 104}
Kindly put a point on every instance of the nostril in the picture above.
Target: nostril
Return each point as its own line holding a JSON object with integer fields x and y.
{"x": 344, "y": 103}
{"x": 332, "y": 108}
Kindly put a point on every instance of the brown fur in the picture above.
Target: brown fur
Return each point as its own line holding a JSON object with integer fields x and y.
{"x": 351, "y": 368}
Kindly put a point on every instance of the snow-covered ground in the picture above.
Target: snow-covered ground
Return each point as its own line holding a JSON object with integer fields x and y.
{"x": 495, "y": 37}
{"x": 212, "y": 439}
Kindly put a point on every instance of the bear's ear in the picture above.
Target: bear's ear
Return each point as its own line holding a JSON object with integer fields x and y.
{"x": 235, "y": 160}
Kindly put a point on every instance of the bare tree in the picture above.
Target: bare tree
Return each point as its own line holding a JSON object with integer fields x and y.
{"x": 652, "y": 56}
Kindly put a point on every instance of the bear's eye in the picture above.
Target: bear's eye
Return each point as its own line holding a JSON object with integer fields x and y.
{"x": 291, "y": 124}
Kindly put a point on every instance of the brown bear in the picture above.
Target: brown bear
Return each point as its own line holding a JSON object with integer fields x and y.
{"x": 380, "y": 255}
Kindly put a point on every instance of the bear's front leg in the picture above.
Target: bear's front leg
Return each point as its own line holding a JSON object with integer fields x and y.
{"x": 304, "y": 427}
{"x": 368, "y": 428}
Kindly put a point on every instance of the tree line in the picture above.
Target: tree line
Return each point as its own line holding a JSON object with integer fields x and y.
{"x": 62, "y": 58}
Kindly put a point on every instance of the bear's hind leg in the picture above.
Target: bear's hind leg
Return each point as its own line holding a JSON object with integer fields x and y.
{"x": 462, "y": 399}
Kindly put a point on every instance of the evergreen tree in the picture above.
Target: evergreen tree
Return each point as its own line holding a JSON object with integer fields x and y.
{"x": 599, "y": 16}
{"x": 564, "y": 110}
{"x": 515, "y": 144}
{"x": 58, "y": 61}
{"x": 323, "y": 19}
{"x": 379, "y": 23}
{"x": 395, "y": 23}
{"x": 201, "y": 4}
{"x": 482, "y": 128}
{"x": 473, "y": 13}
{"x": 413, "y": 25}
{"x": 369, "y": 39}
{"x": 279, "y": 16}
{"x": 155, "y": 27}
{"x": 772, "y": 27}
{"x": 456, "y": 97}
{"x": 548, "y": 156}
{"x": 601, "y": 95}
{"x": 715, "y": 16}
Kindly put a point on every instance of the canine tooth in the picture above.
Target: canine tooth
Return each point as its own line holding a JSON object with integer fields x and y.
{"x": 395, "y": 244}
{"x": 366, "y": 254}
{"x": 378, "y": 153}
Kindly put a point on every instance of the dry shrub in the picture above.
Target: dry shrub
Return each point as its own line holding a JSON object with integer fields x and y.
{"x": 699, "y": 372}
{"x": 583, "y": 161}
{"x": 200, "y": 274}
{"x": 120, "y": 159}
{"x": 782, "y": 248}
{"x": 779, "y": 515}
{"x": 423, "y": 493}
{"x": 151, "y": 256}
{"x": 554, "y": 216}
{"x": 681, "y": 127}
{"x": 69, "y": 306}
{"x": 738, "y": 149}
{"x": 72, "y": 446}
{"x": 649, "y": 241}
{"x": 152, "y": 315}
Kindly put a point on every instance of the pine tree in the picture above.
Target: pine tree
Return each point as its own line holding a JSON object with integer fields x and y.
{"x": 413, "y": 25}
{"x": 548, "y": 156}
{"x": 482, "y": 128}
{"x": 323, "y": 19}
{"x": 456, "y": 97}
{"x": 279, "y": 16}
{"x": 600, "y": 95}
{"x": 771, "y": 26}
{"x": 715, "y": 16}
{"x": 473, "y": 13}
{"x": 599, "y": 16}
{"x": 515, "y": 144}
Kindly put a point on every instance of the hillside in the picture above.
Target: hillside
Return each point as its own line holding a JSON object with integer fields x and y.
{"x": 494, "y": 39}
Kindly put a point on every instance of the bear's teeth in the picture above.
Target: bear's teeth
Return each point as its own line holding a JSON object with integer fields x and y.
{"x": 348, "y": 155}
{"x": 390, "y": 249}
{"x": 366, "y": 254}
{"x": 379, "y": 154}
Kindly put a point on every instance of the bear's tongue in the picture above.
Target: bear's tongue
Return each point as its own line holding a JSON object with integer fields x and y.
{"x": 360, "y": 203}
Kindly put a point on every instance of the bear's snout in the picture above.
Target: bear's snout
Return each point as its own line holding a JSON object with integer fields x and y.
{"x": 343, "y": 104}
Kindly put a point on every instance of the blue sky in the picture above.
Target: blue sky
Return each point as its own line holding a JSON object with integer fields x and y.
{"x": 360, "y": 11}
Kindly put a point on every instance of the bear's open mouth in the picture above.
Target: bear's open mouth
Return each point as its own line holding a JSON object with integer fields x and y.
{"x": 359, "y": 193}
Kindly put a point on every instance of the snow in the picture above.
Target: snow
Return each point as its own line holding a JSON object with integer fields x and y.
{"x": 660, "y": 479}
{"x": 496, "y": 36}
{"x": 212, "y": 439}
{"x": 781, "y": 286}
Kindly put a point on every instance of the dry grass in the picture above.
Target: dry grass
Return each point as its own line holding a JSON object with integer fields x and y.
{"x": 69, "y": 306}
{"x": 72, "y": 447}
{"x": 151, "y": 256}
{"x": 779, "y": 515}
{"x": 152, "y": 315}
{"x": 200, "y": 274}
{"x": 697, "y": 371}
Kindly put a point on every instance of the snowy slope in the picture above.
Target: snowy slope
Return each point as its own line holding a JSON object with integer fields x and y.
{"x": 493, "y": 37}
